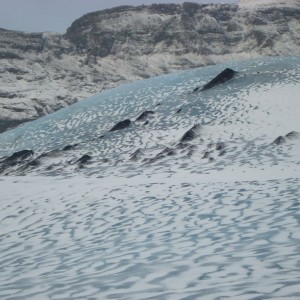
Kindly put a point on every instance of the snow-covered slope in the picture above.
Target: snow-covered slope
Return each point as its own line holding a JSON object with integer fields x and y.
{"x": 184, "y": 186}
{"x": 147, "y": 121}
{"x": 43, "y": 72}
{"x": 164, "y": 236}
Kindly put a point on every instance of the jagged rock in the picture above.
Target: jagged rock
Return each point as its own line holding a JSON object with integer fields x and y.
{"x": 282, "y": 139}
{"x": 279, "y": 140}
{"x": 121, "y": 125}
{"x": 190, "y": 134}
{"x": 293, "y": 135}
{"x": 17, "y": 158}
{"x": 69, "y": 147}
{"x": 144, "y": 115}
{"x": 223, "y": 77}
{"x": 84, "y": 160}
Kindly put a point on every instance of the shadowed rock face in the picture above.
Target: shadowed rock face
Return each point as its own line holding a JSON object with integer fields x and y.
{"x": 293, "y": 135}
{"x": 223, "y": 77}
{"x": 279, "y": 140}
{"x": 69, "y": 147}
{"x": 43, "y": 72}
{"x": 121, "y": 125}
{"x": 190, "y": 134}
{"x": 84, "y": 159}
{"x": 15, "y": 159}
{"x": 21, "y": 155}
{"x": 144, "y": 115}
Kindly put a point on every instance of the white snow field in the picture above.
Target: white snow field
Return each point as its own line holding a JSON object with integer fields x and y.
{"x": 199, "y": 198}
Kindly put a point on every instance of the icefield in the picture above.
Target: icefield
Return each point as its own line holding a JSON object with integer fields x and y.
{"x": 167, "y": 188}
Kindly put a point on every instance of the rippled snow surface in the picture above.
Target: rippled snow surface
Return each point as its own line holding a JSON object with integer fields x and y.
{"x": 144, "y": 213}
{"x": 162, "y": 238}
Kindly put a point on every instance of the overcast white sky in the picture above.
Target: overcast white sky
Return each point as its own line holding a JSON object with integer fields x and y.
{"x": 57, "y": 15}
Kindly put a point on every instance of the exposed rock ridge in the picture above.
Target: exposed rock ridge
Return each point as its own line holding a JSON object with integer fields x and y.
{"x": 43, "y": 72}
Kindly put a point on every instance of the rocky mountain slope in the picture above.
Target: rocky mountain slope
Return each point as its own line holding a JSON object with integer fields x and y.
{"x": 43, "y": 72}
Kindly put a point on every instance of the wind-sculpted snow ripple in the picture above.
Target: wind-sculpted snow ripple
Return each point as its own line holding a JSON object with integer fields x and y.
{"x": 149, "y": 237}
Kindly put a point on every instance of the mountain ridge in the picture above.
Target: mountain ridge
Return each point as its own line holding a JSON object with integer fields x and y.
{"x": 43, "y": 72}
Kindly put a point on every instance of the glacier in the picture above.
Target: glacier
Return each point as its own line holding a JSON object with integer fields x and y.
{"x": 158, "y": 189}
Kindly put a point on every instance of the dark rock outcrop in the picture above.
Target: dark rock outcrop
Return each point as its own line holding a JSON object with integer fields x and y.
{"x": 84, "y": 160}
{"x": 70, "y": 147}
{"x": 121, "y": 125}
{"x": 190, "y": 134}
{"x": 279, "y": 140}
{"x": 282, "y": 139}
{"x": 144, "y": 115}
{"x": 221, "y": 78}
{"x": 18, "y": 158}
{"x": 293, "y": 135}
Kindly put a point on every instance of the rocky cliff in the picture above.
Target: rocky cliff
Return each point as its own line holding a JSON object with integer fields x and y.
{"x": 43, "y": 72}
